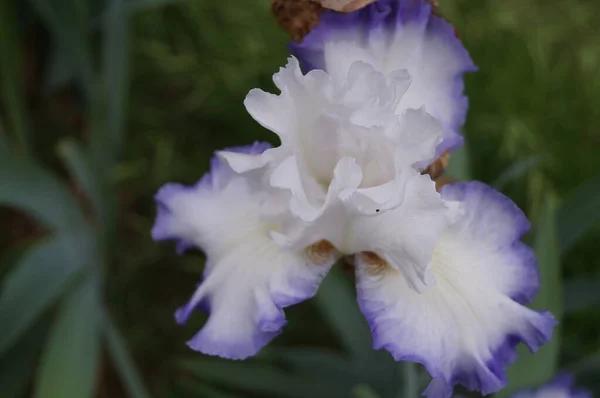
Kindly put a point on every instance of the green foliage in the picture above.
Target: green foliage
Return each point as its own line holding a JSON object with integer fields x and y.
{"x": 159, "y": 85}
{"x": 532, "y": 370}
{"x": 68, "y": 367}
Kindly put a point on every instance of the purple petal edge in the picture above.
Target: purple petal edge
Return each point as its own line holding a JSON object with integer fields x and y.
{"x": 390, "y": 14}
{"x": 491, "y": 376}
{"x": 160, "y": 230}
{"x": 462, "y": 191}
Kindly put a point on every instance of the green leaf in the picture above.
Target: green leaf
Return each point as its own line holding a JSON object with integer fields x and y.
{"x": 28, "y": 187}
{"x": 68, "y": 23}
{"x": 256, "y": 377}
{"x": 516, "y": 170}
{"x": 141, "y": 5}
{"x": 310, "y": 360}
{"x": 107, "y": 137}
{"x": 95, "y": 187}
{"x": 59, "y": 72}
{"x": 410, "y": 380}
{"x": 578, "y": 213}
{"x": 69, "y": 365}
{"x": 204, "y": 390}
{"x": 17, "y": 365}
{"x": 337, "y": 302}
{"x": 38, "y": 280}
{"x": 125, "y": 366}
{"x": 11, "y": 76}
{"x": 5, "y": 144}
{"x": 535, "y": 369}
{"x": 581, "y": 293}
{"x": 364, "y": 391}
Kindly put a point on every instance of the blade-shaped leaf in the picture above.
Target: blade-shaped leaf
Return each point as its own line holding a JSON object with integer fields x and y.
{"x": 252, "y": 376}
{"x": 28, "y": 187}
{"x": 309, "y": 360}
{"x": 17, "y": 365}
{"x": 68, "y": 24}
{"x": 578, "y": 213}
{"x": 410, "y": 380}
{"x": 364, "y": 391}
{"x": 107, "y": 135}
{"x": 204, "y": 390}
{"x": 516, "y": 170}
{"x": 38, "y": 280}
{"x": 581, "y": 293}
{"x": 4, "y": 142}
{"x": 70, "y": 361}
{"x": 117, "y": 349}
{"x": 11, "y": 76}
{"x": 95, "y": 187}
{"x": 337, "y": 303}
{"x": 535, "y": 369}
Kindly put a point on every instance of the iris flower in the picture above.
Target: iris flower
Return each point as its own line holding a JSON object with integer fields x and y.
{"x": 442, "y": 278}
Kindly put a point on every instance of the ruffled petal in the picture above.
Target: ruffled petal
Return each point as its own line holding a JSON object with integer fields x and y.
{"x": 394, "y": 35}
{"x": 246, "y": 292}
{"x": 406, "y": 235}
{"x": 465, "y": 327}
{"x": 248, "y": 278}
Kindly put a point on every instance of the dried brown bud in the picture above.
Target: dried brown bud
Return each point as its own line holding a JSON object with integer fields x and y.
{"x": 297, "y": 17}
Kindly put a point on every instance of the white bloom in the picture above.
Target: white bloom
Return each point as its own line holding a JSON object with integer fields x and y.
{"x": 348, "y": 159}
{"x": 442, "y": 279}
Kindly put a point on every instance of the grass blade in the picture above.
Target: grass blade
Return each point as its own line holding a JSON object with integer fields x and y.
{"x": 38, "y": 280}
{"x": 117, "y": 349}
{"x": 70, "y": 361}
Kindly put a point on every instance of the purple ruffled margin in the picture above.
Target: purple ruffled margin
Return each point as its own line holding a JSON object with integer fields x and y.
{"x": 473, "y": 377}
{"x": 160, "y": 230}
{"x": 474, "y": 190}
{"x": 271, "y": 323}
{"x": 390, "y": 14}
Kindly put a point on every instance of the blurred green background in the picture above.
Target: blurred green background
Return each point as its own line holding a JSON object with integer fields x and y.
{"x": 103, "y": 101}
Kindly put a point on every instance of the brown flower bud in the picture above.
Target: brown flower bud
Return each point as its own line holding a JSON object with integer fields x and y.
{"x": 297, "y": 17}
